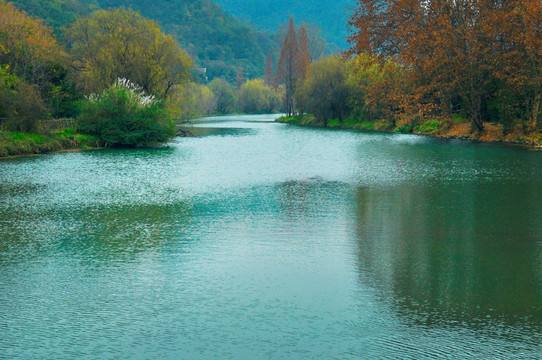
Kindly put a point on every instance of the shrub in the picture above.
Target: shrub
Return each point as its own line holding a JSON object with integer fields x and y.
{"x": 123, "y": 115}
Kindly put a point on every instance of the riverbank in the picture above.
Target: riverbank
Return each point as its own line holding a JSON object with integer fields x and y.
{"x": 18, "y": 144}
{"x": 434, "y": 128}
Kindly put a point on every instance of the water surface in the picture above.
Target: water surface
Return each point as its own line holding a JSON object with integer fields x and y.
{"x": 261, "y": 240}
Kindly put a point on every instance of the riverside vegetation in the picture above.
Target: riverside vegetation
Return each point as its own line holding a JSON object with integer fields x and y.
{"x": 125, "y": 87}
{"x": 444, "y": 68}
{"x": 455, "y": 69}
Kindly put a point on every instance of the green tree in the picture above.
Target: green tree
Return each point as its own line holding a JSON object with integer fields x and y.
{"x": 225, "y": 96}
{"x": 20, "y": 104}
{"x": 191, "y": 100}
{"x": 255, "y": 97}
{"x": 122, "y": 44}
{"x": 375, "y": 87}
{"x": 326, "y": 89}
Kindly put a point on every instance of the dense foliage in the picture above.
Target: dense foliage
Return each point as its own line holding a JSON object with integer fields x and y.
{"x": 325, "y": 91}
{"x": 225, "y": 96}
{"x": 256, "y": 97}
{"x": 20, "y": 104}
{"x": 36, "y": 73}
{"x": 191, "y": 100}
{"x": 121, "y": 43}
{"x": 124, "y": 115}
{"x": 56, "y": 13}
{"x": 33, "y": 71}
{"x": 215, "y": 40}
{"x": 481, "y": 60}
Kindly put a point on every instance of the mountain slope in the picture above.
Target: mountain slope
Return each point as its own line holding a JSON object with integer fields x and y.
{"x": 331, "y": 16}
{"x": 215, "y": 40}
{"x": 56, "y": 13}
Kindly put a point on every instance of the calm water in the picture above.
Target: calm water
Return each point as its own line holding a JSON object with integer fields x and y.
{"x": 261, "y": 240}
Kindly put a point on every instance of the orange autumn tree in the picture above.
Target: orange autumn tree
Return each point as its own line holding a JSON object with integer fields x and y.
{"x": 269, "y": 74}
{"x": 28, "y": 46}
{"x": 518, "y": 25}
{"x": 304, "y": 61}
{"x": 447, "y": 47}
{"x": 37, "y": 69}
{"x": 288, "y": 67}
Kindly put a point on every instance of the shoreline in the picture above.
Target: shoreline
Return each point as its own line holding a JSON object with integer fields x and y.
{"x": 492, "y": 133}
{"x": 9, "y": 157}
{"x": 14, "y": 144}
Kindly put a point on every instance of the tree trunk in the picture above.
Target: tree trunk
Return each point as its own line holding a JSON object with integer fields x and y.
{"x": 476, "y": 111}
{"x": 534, "y": 111}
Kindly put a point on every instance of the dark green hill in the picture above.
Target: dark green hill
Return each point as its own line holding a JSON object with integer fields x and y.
{"x": 215, "y": 40}
{"x": 55, "y": 13}
{"x": 331, "y": 16}
{"x": 219, "y": 42}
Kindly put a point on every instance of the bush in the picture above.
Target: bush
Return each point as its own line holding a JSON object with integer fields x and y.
{"x": 123, "y": 115}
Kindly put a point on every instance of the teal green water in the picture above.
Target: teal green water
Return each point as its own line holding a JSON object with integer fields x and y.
{"x": 262, "y": 240}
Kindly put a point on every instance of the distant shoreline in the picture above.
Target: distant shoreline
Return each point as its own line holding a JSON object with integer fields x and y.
{"x": 492, "y": 133}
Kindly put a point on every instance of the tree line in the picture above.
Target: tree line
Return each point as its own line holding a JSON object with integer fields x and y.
{"x": 114, "y": 70}
{"x": 415, "y": 61}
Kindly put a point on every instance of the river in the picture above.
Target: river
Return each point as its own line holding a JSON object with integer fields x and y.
{"x": 259, "y": 240}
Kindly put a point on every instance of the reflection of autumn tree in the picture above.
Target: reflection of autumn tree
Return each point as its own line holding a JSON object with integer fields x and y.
{"x": 433, "y": 255}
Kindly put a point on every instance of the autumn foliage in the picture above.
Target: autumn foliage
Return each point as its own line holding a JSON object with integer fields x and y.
{"x": 480, "y": 60}
{"x": 33, "y": 71}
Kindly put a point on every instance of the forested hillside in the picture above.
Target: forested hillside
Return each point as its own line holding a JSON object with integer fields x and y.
{"x": 213, "y": 38}
{"x": 55, "y": 13}
{"x": 331, "y": 16}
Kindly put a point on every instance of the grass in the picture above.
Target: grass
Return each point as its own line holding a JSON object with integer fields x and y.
{"x": 429, "y": 127}
{"x": 15, "y": 143}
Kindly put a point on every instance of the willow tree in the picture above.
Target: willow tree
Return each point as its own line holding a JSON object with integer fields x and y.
{"x": 114, "y": 44}
{"x": 326, "y": 89}
{"x": 288, "y": 67}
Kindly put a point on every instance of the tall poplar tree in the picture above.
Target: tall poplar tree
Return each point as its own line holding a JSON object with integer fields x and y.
{"x": 288, "y": 67}
{"x": 269, "y": 74}
{"x": 304, "y": 60}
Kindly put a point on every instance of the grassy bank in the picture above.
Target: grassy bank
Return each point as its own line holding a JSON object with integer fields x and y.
{"x": 457, "y": 129}
{"x": 14, "y": 144}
